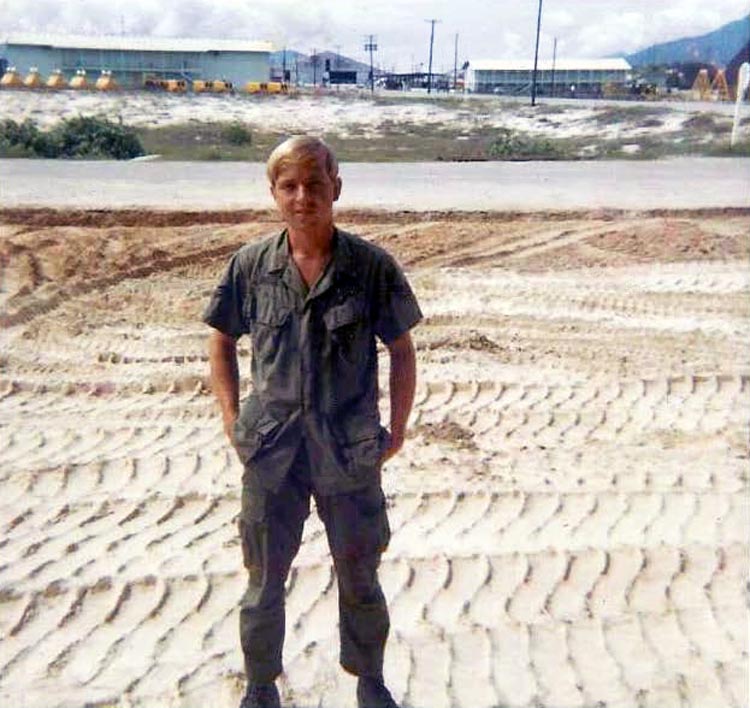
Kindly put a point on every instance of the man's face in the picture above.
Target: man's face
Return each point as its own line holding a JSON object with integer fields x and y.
{"x": 305, "y": 193}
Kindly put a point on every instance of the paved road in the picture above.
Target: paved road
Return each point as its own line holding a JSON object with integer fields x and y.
{"x": 676, "y": 183}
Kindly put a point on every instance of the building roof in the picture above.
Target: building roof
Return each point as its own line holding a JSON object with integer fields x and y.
{"x": 616, "y": 64}
{"x": 144, "y": 44}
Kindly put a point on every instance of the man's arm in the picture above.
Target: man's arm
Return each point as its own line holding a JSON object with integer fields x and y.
{"x": 403, "y": 382}
{"x": 225, "y": 380}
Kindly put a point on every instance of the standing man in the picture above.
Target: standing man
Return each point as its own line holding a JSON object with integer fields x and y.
{"x": 314, "y": 300}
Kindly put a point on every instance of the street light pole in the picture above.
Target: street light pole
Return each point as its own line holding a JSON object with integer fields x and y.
{"x": 536, "y": 55}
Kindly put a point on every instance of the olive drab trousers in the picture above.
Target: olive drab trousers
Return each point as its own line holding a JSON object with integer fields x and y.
{"x": 271, "y": 524}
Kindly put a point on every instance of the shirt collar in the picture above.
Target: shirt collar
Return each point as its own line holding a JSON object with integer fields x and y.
{"x": 343, "y": 266}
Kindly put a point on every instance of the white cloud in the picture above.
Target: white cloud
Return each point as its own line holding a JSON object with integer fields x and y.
{"x": 583, "y": 27}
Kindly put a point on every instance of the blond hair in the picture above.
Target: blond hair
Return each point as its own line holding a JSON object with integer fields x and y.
{"x": 301, "y": 148}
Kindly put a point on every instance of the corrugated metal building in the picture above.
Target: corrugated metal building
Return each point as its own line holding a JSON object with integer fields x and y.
{"x": 583, "y": 77}
{"x": 134, "y": 59}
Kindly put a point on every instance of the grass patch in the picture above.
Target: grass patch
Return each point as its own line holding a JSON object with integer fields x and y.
{"x": 628, "y": 114}
{"x": 208, "y": 141}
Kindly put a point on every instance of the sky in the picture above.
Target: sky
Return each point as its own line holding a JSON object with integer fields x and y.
{"x": 486, "y": 30}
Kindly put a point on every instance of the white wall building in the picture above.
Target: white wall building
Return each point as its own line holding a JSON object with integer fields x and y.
{"x": 564, "y": 77}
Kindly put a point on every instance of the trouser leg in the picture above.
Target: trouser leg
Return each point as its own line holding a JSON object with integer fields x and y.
{"x": 358, "y": 532}
{"x": 271, "y": 531}
{"x": 363, "y": 616}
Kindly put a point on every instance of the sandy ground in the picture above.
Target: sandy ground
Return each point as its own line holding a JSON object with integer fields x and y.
{"x": 570, "y": 513}
{"x": 360, "y": 115}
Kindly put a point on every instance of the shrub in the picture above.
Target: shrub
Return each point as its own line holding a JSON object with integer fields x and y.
{"x": 237, "y": 134}
{"x": 510, "y": 145}
{"x": 75, "y": 137}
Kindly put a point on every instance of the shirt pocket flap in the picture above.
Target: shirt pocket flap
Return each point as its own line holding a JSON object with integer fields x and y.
{"x": 346, "y": 313}
{"x": 266, "y": 425}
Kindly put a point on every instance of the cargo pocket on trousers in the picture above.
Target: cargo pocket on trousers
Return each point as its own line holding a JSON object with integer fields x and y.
{"x": 252, "y": 538}
{"x": 253, "y": 429}
{"x": 364, "y": 453}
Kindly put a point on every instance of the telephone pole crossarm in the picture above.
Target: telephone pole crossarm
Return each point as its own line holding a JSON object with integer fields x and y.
{"x": 371, "y": 45}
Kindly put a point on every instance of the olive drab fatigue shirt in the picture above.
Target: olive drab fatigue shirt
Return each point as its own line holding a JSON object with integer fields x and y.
{"x": 314, "y": 357}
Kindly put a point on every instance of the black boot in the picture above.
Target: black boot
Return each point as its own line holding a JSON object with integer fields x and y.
{"x": 261, "y": 695}
{"x": 372, "y": 693}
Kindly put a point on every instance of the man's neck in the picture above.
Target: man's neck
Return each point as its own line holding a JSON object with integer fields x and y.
{"x": 311, "y": 244}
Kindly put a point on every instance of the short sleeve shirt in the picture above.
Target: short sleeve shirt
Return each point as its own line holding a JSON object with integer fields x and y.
{"x": 314, "y": 355}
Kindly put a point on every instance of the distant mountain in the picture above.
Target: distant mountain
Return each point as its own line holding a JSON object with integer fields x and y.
{"x": 717, "y": 47}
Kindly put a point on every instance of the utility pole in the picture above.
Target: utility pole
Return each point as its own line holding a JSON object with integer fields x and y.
{"x": 455, "y": 64}
{"x": 554, "y": 61}
{"x": 536, "y": 55}
{"x": 432, "y": 40}
{"x": 314, "y": 62}
{"x": 371, "y": 46}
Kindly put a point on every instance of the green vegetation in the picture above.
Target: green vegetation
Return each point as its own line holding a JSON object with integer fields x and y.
{"x": 79, "y": 137}
{"x": 237, "y": 134}
{"x": 390, "y": 141}
{"x": 208, "y": 141}
{"x": 512, "y": 145}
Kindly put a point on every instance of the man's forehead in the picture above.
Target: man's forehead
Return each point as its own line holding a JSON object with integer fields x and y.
{"x": 305, "y": 164}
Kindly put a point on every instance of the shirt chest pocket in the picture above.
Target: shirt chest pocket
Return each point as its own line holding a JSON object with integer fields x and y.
{"x": 347, "y": 327}
{"x": 268, "y": 318}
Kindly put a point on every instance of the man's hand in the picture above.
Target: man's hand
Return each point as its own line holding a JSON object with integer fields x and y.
{"x": 229, "y": 428}
{"x": 403, "y": 381}
{"x": 393, "y": 448}
{"x": 225, "y": 382}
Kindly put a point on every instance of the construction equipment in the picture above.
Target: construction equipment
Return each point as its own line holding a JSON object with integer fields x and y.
{"x": 271, "y": 87}
{"x": 79, "y": 81}
{"x": 719, "y": 86}
{"x": 106, "y": 82}
{"x": 33, "y": 79}
{"x": 702, "y": 86}
{"x": 11, "y": 78}
{"x": 175, "y": 85}
{"x": 219, "y": 86}
{"x": 56, "y": 80}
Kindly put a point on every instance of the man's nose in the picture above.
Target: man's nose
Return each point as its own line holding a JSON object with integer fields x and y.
{"x": 301, "y": 193}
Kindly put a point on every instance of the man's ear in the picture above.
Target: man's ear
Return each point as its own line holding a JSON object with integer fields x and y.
{"x": 337, "y": 189}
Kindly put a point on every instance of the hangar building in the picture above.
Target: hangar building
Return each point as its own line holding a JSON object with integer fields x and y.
{"x": 566, "y": 77}
{"x": 134, "y": 59}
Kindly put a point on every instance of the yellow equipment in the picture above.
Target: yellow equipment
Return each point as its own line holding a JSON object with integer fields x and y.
{"x": 79, "y": 81}
{"x": 106, "y": 82}
{"x": 11, "y": 78}
{"x": 33, "y": 79}
{"x": 720, "y": 87}
{"x": 175, "y": 85}
{"x": 702, "y": 86}
{"x": 266, "y": 87}
{"x": 56, "y": 80}
{"x": 219, "y": 86}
